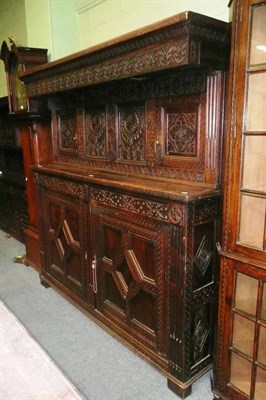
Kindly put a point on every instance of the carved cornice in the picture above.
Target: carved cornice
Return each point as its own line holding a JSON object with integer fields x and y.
{"x": 187, "y": 39}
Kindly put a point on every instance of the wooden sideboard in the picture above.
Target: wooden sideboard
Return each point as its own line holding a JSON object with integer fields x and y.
{"x": 128, "y": 186}
{"x": 21, "y": 114}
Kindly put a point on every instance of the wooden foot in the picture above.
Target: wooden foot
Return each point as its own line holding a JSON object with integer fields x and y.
{"x": 180, "y": 391}
{"x": 44, "y": 284}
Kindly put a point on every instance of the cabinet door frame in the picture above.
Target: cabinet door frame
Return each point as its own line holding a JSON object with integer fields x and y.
{"x": 77, "y": 247}
{"x": 130, "y": 224}
{"x": 235, "y": 122}
{"x": 229, "y": 270}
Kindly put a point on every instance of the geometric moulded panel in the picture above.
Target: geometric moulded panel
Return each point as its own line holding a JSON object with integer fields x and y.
{"x": 203, "y": 255}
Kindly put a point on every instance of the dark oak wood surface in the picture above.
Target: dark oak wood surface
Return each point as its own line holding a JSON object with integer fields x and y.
{"x": 129, "y": 187}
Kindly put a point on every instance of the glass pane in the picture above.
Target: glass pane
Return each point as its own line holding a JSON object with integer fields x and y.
{"x": 262, "y": 346}
{"x": 240, "y": 375}
{"x": 254, "y": 170}
{"x": 260, "y": 384}
{"x": 258, "y": 36}
{"x": 252, "y": 220}
{"x": 246, "y": 294}
{"x": 256, "y": 115}
{"x": 243, "y": 335}
{"x": 263, "y": 310}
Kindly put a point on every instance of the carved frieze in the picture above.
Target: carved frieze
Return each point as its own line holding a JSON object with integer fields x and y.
{"x": 172, "y": 213}
{"x": 61, "y": 186}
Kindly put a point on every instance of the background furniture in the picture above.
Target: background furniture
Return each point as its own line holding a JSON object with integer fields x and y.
{"x": 240, "y": 371}
{"x": 128, "y": 184}
{"x": 23, "y": 113}
{"x": 13, "y": 199}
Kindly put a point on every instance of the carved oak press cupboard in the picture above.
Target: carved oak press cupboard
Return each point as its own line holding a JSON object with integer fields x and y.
{"x": 129, "y": 194}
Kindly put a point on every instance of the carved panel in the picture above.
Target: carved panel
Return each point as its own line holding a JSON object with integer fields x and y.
{"x": 95, "y": 133}
{"x": 64, "y": 240}
{"x": 181, "y": 138}
{"x": 200, "y": 333}
{"x": 203, "y": 255}
{"x": 182, "y": 134}
{"x": 132, "y": 273}
{"x": 131, "y": 133}
{"x": 67, "y": 128}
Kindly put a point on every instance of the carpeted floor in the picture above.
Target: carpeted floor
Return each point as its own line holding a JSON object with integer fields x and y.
{"x": 99, "y": 366}
{"x": 26, "y": 370}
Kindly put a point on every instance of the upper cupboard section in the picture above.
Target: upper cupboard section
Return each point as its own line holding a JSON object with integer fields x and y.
{"x": 125, "y": 128}
{"x": 149, "y": 103}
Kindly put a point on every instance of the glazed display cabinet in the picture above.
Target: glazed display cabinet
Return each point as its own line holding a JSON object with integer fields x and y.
{"x": 129, "y": 187}
{"x": 240, "y": 371}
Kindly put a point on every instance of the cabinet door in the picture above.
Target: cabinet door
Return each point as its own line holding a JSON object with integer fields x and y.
{"x": 242, "y": 361}
{"x": 64, "y": 249}
{"x": 131, "y": 256}
{"x": 247, "y": 194}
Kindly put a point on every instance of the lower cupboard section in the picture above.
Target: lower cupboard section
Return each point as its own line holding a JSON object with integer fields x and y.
{"x": 148, "y": 278}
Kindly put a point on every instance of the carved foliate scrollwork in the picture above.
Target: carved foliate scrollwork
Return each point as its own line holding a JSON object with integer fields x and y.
{"x": 156, "y": 58}
{"x": 67, "y": 131}
{"x": 95, "y": 133}
{"x": 131, "y": 133}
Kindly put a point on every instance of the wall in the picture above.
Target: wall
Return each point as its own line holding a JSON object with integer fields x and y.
{"x": 100, "y": 20}
{"x": 13, "y": 24}
{"x": 67, "y": 26}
